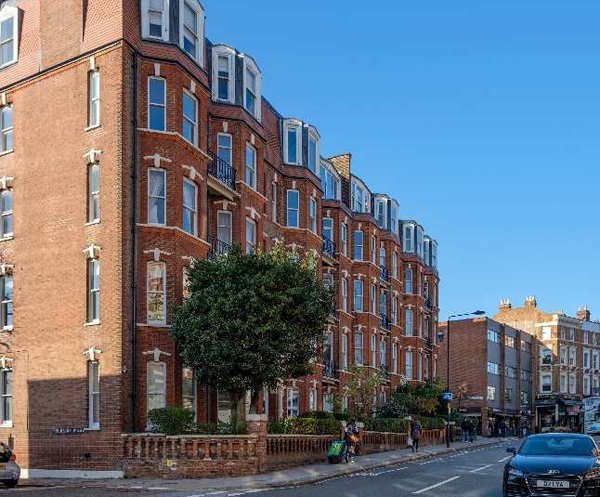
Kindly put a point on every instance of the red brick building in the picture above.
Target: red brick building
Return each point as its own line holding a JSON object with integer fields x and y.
{"x": 129, "y": 145}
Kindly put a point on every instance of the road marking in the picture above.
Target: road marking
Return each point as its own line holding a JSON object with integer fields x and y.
{"x": 505, "y": 459}
{"x": 436, "y": 485}
{"x": 479, "y": 469}
{"x": 390, "y": 471}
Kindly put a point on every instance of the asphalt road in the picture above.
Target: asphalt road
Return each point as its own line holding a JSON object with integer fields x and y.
{"x": 476, "y": 473}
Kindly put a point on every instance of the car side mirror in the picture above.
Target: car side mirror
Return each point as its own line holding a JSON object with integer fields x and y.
{"x": 512, "y": 450}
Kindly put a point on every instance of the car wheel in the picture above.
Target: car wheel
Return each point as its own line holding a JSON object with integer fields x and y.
{"x": 11, "y": 483}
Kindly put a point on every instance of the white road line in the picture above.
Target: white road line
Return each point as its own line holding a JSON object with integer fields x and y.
{"x": 390, "y": 471}
{"x": 436, "y": 485}
{"x": 505, "y": 459}
{"x": 479, "y": 469}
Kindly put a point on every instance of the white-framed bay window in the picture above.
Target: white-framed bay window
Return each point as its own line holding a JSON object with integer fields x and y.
{"x": 313, "y": 149}
{"x": 157, "y": 197}
{"x": 189, "y": 117}
{"x": 358, "y": 296}
{"x": 327, "y": 228}
{"x": 409, "y": 323}
{"x": 344, "y": 351}
{"x": 93, "y": 395}
{"x": 189, "y": 208}
{"x": 250, "y": 235}
{"x": 191, "y": 29}
{"x": 224, "y": 227}
{"x": 358, "y": 348}
{"x": 6, "y": 129}
{"x": 157, "y": 104}
{"x": 250, "y": 166}
{"x": 9, "y": 35}
{"x": 293, "y": 403}
{"x": 312, "y": 215}
{"x": 292, "y": 141}
{"x": 408, "y": 237}
{"x": 358, "y": 245}
{"x": 6, "y": 396}
{"x": 223, "y": 77}
{"x": 252, "y": 88}
{"x": 155, "y": 19}
{"x": 156, "y": 293}
{"x": 293, "y": 208}
{"x": 344, "y": 238}
{"x": 330, "y": 181}
{"x": 344, "y": 285}
{"x": 156, "y": 384}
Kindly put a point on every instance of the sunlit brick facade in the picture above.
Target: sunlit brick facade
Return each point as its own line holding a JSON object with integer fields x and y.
{"x": 129, "y": 146}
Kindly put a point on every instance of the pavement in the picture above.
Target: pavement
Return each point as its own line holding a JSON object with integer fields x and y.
{"x": 397, "y": 473}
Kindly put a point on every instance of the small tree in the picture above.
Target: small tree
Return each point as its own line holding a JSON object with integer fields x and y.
{"x": 251, "y": 320}
{"x": 361, "y": 387}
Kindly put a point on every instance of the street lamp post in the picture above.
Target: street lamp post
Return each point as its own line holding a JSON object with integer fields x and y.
{"x": 440, "y": 336}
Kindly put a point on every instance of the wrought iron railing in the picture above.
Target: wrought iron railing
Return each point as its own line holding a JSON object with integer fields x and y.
{"x": 328, "y": 247}
{"x": 217, "y": 247}
{"x": 384, "y": 273}
{"x": 222, "y": 170}
{"x": 329, "y": 370}
{"x": 384, "y": 321}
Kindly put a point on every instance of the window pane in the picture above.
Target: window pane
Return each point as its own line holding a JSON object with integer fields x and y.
{"x": 7, "y": 53}
{"x": 189, "y": 195}
{"x": 190, "y": 18}
{"x": 223, "y": 88}
{"x": 189, "y": 107}
{"x": 155, "y": 24}
{"x": 7, "y": 383}
{"x": 292, "y": 145}
{"x": 293, "y": 199}
{"x": 157, "y": 91}
{"x": 7, "y": 29}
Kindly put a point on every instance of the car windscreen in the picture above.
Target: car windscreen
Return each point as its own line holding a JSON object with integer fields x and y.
{"x": 557, "y": 446}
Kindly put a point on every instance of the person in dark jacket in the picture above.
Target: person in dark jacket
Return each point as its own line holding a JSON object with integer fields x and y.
{"x": 351, "y": 439}
{"x": 415, "y": 433}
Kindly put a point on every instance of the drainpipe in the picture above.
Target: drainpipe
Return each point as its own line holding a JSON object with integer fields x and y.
{"x": 134, "y": 180}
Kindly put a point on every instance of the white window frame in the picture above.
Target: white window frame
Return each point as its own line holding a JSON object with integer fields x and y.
{"x": 193, "y": 209}
{"x": 344, "y": 292}
{"x": 162, "y": 394}
{"x": 288, "y": 124}
{"x": 373, "y": 249}
{"x": 7, "y": 307}
{"x": 6, "y": 130}
{"x": 163, "y": 292}
{"x": 6, "y": 214}
{"x": 542, "y": 386}
{"x": 312, "y": 399}
{"x": 409, "y": 330}
{"x": 358, "y": 348}
{"x": 408, "y": 238}
{"x": 373, "y": 349}
{"x": 163, "y": 106}
{"x": 146, "y": 21}
{"x": 344, "y": 237}
{"x": 314, "y": 136}
{"x": 228, "y": 225}
{"x": 250, "y": 168}
{"x": 93, "y": 292}
{"x": 296, "y": 209}
{"x": 93, "y": 98}
{"x": 344, "y": 351}
{"x": 419, "y": 241}
{"x": 395, "y": 358}
{"x": 7, "y": 12}
{"x": 194, "y": 390}
{"x": 184, "y": 118}
{"x": 197, "y": 8}
{"x": 274, "y": 201}
{"x": 217, "y": 52}
{"x": 6, "y": 419}
{"x": 382, "y": 352}
{"x": 249, "y": 65}
{"x": 408, "y": 282}
{"x": 312, "y": 215}
{"x": 358, "y": 297}
{"x": 491, "y": 392}
{"x": 293, "y": 403}
{"x": 394, "y": 265}
{"x": 164, "y": 175}
{"x": 572, "y": 383}
{"x": 355, "y": 246}
{"x": 408, "y": 364}
{"x": 93, "y": 196}
{"x": 250, "y": 229}
{"x": 329, "y": 222}
{"x": 372, "y": 299}
{"x": 394, "y": 310}
{"x": 93, "y": 394}
{"x": 225, "y": 147}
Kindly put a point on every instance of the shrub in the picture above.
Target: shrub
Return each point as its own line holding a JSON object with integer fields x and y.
{"x": 430, "y": 423}
{"x": 318, "y": 415}
{"x": 275, "y": 428}
{"x": 171, "y": 420}
{"x": 311, "y": 426}
{"x": 387, "y": 425}
{"x": 221, "y": 428}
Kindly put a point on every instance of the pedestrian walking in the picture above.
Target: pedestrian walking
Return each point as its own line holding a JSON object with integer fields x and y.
{"x": 351, "y": 439}
{"x": 470, "y": 431}
{"x": 415, "y": 434}
{"x": 464, "y": 427}
{"x": 502, "y": 428}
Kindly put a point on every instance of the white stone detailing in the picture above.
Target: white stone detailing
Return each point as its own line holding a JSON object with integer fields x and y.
{"x": 157, "y": 70}
{"x": 6, "y": 269}
{"x": 252, "y": 139}
{"x": 225, "y": 126}
{"x": 294, "y": 185}
{"x": 4, "y": 362}
{"x": 6, "y": 182}
{"x": 253, "y": 212}
{"x": 92, "y": 155}
{"x": 3, "y": 98}
{"x": 93, "y": 251}
{"x": 193, "y": 86}
{"x": 156, "y": 353}
{"x": 157, "y": 159}
{"x": 156, "y": 253}
{"x": 192, "y": 173}
{"x": 92, "y": 352}
{"x": 92, "y": 63}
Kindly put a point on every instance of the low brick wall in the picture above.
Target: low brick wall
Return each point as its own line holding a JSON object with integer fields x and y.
{"x": 190, "y": 456}
{"x": 285, "y": 451}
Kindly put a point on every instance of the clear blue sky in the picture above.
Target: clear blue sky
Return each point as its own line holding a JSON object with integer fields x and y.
{"x": 482, "y": 117}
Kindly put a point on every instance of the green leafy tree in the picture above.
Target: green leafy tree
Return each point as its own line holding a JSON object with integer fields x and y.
{"x": 363, "y": 384}
{"x": 251, "y": 320}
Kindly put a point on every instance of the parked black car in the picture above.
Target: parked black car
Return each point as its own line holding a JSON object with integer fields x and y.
{"x": 560, "y": 464}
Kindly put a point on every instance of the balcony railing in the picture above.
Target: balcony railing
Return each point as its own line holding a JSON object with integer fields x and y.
{"x": 329, "y": 370}
{"x": 328, "y": 247}
{"x": 217, "y": 247}
{"x": 384, "y": 273}
{"x": 384, "y": 321}
{"x": 222, "y": 170}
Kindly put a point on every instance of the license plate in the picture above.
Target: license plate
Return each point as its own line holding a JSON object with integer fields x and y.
{"x": 552, "y": 484}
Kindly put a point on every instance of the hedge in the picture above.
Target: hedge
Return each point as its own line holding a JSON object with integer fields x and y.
{"x": 177, "y": 421}
{"x": 305, "y": 426}
{"x": 387, "y": 425}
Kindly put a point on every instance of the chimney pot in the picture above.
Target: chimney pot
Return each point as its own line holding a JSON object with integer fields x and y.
{"x": 584, "y": 314}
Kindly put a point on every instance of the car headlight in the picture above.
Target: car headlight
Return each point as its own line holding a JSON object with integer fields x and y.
{"x": 515, "y": 473}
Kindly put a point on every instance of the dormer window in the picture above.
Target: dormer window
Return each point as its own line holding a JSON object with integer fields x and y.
{"x": 330, "y": 182}
{"x": 223, "y": 74}
{"x": 292, "y": 142}
{"x": 434, "y": 248}
{"x": 9, "y": 29}
{"x": 408, "y": 239}
{"x": 252, "y": 88}
{"x": 419, "y": 241}
{"x": 361, "y": 200}
{"x": 155, "y": 19}
{"x": 191, "y": 32}
{"x": 394, "y": 217}
{"x": 427, "y": 251}
{"x": 381, "y": 212}
{"x": 313, "y": 150}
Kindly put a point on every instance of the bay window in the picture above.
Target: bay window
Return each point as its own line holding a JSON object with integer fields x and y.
{"x": 358, "y": 348}
{"x": 330, "y": 182}
{"x": 327, "y": 228}
{"x": 409, "y": 323}
{"x": 250, "y": 176}
{"x": 191, "y": 29}
{"x": 250, "y": 235}
{"x": 189, "y": 118}
{"x": 224, "y": 147}
{"x": 358, "y": 245}
{"x": 293, "y": 208}
{"x": 292, "y": 142}
{"x": 156, "y": 289}
{"x": 9, "y": 35}
{"x": 358, "y": 295}
{"x": 156, "y": 197}
{"x": 344, "y": 237}
{"x": 394, "y": 265}
{"x": 313, "y": 150}
{"x": 408, "y": 280}
{"x": 6, "y": 129}
{"x": 252, "y": 88}
{"x": 373, "y": 250}
{"x": 189, "y": 211}
{"x": 157, "y": 104}
{"x": 408, "y": 238}
{"x": 155, "y": 19}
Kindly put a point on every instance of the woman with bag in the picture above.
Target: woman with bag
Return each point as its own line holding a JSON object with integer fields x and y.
{"x": 415, "y": 434}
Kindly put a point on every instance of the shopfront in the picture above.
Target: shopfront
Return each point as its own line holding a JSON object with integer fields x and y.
{"x": 558, "y": 412}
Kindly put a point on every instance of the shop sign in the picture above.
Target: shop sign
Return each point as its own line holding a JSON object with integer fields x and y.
{"x": 68, "y": 431}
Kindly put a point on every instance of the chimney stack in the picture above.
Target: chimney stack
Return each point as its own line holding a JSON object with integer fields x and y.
{"x": 583, "y": 313}
{"x": 505, "y": 304}
{"x": 530, "y": 302}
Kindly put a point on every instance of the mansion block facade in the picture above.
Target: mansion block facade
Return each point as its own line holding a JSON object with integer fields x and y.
{"x": 131, "y": 145}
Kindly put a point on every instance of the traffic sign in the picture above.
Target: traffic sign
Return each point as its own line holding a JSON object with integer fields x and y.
{"x": 447, "y": 396}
